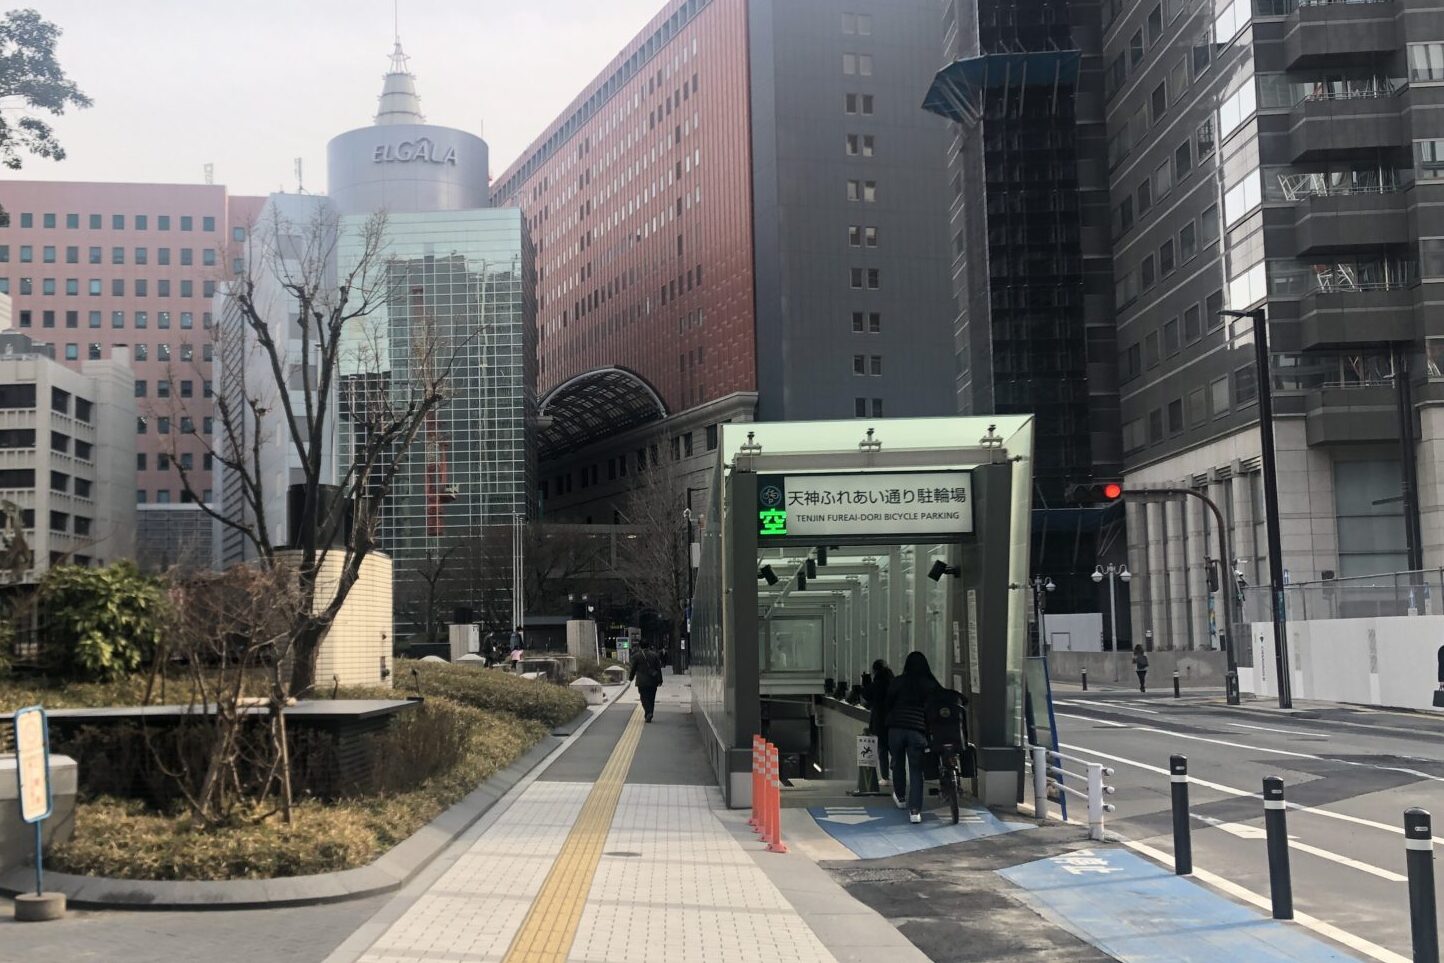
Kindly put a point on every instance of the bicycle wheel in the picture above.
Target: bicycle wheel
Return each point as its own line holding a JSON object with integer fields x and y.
{"x": 950, "y": 786}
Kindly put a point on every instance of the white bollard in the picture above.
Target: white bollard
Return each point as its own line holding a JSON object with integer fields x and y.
{"x": 1040, "y": 783}
{"x": 1095, "y": 801}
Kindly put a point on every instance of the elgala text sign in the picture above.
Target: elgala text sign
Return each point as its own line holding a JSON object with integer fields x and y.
{"x": 896, "y": 503}
{"x": 32, "y": 750}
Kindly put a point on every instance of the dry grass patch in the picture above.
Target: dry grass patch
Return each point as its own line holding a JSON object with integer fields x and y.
{"x": 426, "y": 761}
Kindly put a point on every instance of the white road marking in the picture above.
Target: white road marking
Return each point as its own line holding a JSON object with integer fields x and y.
{"x": 1231, "y": 791}
{"x": 1092, "y": 703}
{"x": 1287, "y": 732}
{"x": 1229, "y": 888}
{"x": 1244, "y": 831}
{"x": 1286, "y": 752}
{"x": 1101, "y": 722}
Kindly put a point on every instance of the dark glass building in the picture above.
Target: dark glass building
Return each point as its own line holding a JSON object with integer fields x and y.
{"x": 1032, "y": 269}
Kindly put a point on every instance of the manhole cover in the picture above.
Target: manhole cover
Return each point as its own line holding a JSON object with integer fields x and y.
{"x": 621, "y": 852}
{"x": 880, "y": 875}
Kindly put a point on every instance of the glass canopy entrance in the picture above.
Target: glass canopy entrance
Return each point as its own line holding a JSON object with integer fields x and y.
{"x": 831, "y": 544}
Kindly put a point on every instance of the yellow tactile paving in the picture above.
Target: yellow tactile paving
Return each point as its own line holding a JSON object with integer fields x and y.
{"x": 550, "y": 927}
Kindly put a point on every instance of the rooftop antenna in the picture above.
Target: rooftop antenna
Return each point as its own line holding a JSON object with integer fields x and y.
{"x": 300, "y": 183}
{"x": 210, "y": 170}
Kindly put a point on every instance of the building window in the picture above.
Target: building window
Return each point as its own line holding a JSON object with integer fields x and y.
{"x": 1147, "y": 272}
{"x": 1175, "y": 416}
{"x": 162, "y": 388}
{"x": 72, "y": 287}
{"x": 93, "y": 319}
{"x": 162, "y": 496}
{"x": 858, "y": 104}
{"x": 1165, "y": 258}
{"x": 208, "y": 223}
{"x": 72, "y": 221}
{"x": 117, "y": 319}
{"x": 186, "y": 257}
{"x": 1170, "y": 337}
{"x": 1239, "y": 106}
{"x": 72, "y": 352}
{"x": 859, "y": 407}
{"x": 1187, "y": 242}
{"x": 1429, "y": 159}
{"x": 1192, "y": 325}
{"x": 1426, "y": 61}
{"x": 93, "y": 353}
{"x": 47, "y": 254}
{"x": 1158, "y": 101}
{"x": 162, "y": 256}
{"x": 93, "y": 255}
{"x": 140, "y": 387}
{"x": 1245, "y": 386}
{"x": 858, "y": 326}
{"x": 238, "y": 234}
{"x": 1182, "y": 161}
{"x": 117, "y": 287}
{"x": 162, "y": 222}
{"x": 186, "y": 222}
{"x": 27, "y": 254}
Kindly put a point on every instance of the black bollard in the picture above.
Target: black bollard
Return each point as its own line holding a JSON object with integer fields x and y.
{"x": 1175, "y": 684}
{"x": 1085, "y": 679}
{"x": 1281, "y": 886}
{"x": 1419, "y": 855}
{"x": 1182, "y": 837}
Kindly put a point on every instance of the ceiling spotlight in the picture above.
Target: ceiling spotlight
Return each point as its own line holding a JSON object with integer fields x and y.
{"x": 767, "y": 573}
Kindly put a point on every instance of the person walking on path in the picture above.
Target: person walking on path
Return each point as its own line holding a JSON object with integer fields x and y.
{"x": 647, "y": 674}
{"x": 876, "y": 696}
{"x": 1140, "y": 665}
{"x": 905, "y": 715}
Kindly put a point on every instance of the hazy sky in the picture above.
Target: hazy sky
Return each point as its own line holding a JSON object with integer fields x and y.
{"x": 250, "y": 85}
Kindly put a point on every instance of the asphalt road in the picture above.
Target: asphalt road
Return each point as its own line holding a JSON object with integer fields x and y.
{"x": 1351, "y": 773}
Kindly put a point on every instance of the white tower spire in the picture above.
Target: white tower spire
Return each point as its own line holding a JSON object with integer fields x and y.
{"x": 399, "y": 103}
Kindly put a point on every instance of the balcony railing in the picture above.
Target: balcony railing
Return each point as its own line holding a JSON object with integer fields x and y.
{"x": 1282, "y": 8}
{"x": 1353, "y": 277}
{"x": 1298, "y": 186}
{"x": 1361, "y": 89}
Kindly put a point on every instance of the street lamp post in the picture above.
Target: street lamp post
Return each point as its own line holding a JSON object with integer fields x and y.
{"x": 1271, "y": 497}
{"x": 1042, "y": 585}
{"x": 1112, "y": 573}
{"x": 693, "y": 557}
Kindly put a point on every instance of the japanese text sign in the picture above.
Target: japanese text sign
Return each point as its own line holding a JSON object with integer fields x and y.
{"x": 862, "y": 504}
{"x": 32, "y": 751}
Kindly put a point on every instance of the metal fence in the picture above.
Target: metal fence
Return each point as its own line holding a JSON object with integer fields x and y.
{"x": 1365, "y": 596}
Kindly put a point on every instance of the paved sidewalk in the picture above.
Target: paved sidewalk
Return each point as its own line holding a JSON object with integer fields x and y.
{"x": 622, "y": 853}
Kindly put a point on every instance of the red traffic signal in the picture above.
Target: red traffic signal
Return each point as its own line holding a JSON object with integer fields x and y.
{"x": 1094, "y": 493}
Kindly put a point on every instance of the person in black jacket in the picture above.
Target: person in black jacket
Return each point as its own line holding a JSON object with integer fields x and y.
{"x": 647, "y": 673}
{"x": 876, "y": 697}
{"x": 907, "y": 730}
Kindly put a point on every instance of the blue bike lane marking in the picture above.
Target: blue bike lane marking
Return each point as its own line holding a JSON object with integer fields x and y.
{"x": 1136, "y": 911}
{"x": 878, "y": 832}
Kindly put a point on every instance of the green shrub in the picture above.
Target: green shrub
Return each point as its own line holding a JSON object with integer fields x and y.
{"x": 493, "y": 690}
{"x": 99, "y": 623}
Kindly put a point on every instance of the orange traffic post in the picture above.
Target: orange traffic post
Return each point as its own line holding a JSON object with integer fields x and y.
{"x": 755, "y": 820}
{"x": 774, "y": 772}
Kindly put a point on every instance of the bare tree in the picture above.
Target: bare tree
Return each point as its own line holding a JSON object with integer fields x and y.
{"x": 430, "y": 585}
{"x": 322, "y": 374}
{"x": 653, "y": 566}
{"x": 231, "y": 632}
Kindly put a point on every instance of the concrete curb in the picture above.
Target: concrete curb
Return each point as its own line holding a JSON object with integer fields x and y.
{"x": 391, "y": 871}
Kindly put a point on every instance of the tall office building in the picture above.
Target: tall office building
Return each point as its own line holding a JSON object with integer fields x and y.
{"x": 454, "y": 287}
{"x": 92, "y": 267}
{"x": 1283, "y": 156}
{"x": 67, "y": 453}
{"x": 1028, "y": 203}
{"x": 738, "y": 218}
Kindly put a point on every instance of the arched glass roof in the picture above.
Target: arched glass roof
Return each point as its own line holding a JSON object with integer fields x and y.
{"x": 593, "y": 406}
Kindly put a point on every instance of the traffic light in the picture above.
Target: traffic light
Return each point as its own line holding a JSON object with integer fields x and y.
{"x": 1094, "y": 493}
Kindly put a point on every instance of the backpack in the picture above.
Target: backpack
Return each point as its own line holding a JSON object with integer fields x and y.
{"x": 1141, "y": 660}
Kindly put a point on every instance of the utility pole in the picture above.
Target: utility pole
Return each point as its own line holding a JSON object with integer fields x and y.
{"x": 1271, "y": 497}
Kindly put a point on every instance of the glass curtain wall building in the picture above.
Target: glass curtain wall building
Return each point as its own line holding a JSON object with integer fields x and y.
{"x": 460, "y": 292}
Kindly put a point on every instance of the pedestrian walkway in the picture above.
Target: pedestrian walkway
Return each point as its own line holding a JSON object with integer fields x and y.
{"x": 621, "y": 853}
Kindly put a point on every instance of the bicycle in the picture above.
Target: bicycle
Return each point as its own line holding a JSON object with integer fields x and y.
{"x": 947, "y": 741}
